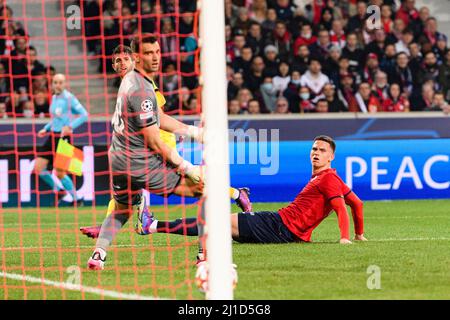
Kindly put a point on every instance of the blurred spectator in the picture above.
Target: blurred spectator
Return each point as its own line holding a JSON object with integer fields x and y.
{"x": 430, "y": 35}
{"x": 268, "y": 25}
{"x": 415, "y": 58}
{"x": 387, "y": 62}
{"x": 430, "y": 70}
{"x": 314, "y": 79}
{"x": 26, "y": 109}
{"x": 354, "y": 54}
{"x": 371, "y": 68}
{"x": 403, "y": 44}
{"x": 255, "y": 38}
{"x": 381, "y": 87}
{"x": 282, "y": 106}
{"x": 236, "y": 47}
{"x": 235, "y": 85}
{"x": 321, "y": 47}
{"x": 419, "y": 25}
{"x": 233, "y": 107}
{"x": 170, "y": 82}
{"x": 357, "y": 21}
{"x": 271, "y": 59}
{"x": 284, "y": 10}
{"x": 402, "y": 74}
{"x": 322, "y": 106}
{"x": 243, "y": 63}
{"x": 377, "y": 45}
{"x": 188, "y": 57}
{"x": 425, "y": 100}
{"x": 129, "y": 21}
{"x": 291, "y": 92}
{"x": 396, "y": 101}
{"x": 386, "y": 18}
{"x": 306, "y": 37}
{"x": 326, "y": 19}
{"x": 440, "y": 48}
{"x": 91, "y": 14}
{"x": 444, "y": 76}
{"x": 346, "y": 93}
{"x": 244, "y": 96}
{"x": 331, "y": 64}
{"x": 3, "y": 114}
{"x": 147, "y": 20}
{"x": 439, "y": 103}
{"x": 41, "y": 105}
{"x": 305, "y": 100}
{"x": 111, "y": 32}
{"x": 255, "y": 78}
{"x": 258, "y": 10}
{"x": 281, "y": 81}
{"x": 301, "y": 61}
{"x": 337, "y": 34}
{"x": 168, "y": 41}
{"x": 366, "y": 100}
{"x": 186, "y": 25}
{"x": 8, "y": 28}
{"x": 282, "y": 40}
{"x": 253, "y": 107}
{"x": 269, "y": 94}
{"x": 5, "y": 85}
{"x": 407, "y": 12}
{"x": 334, "y": 103}
{"x": 243, "y": 20}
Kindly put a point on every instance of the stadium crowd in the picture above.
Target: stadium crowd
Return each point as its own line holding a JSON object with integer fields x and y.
{"x": 323, "y": 56}
{"x": 283, "y": 56}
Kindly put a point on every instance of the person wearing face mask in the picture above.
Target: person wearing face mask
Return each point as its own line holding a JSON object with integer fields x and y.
{"x": 305, "y": 104}
{"x": 269, "y": 94}
{"x": 67, "y": 114}
{"x": 291, "y": 92}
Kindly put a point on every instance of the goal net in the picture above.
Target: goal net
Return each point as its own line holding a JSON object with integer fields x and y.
{"x": 43, "y": 253}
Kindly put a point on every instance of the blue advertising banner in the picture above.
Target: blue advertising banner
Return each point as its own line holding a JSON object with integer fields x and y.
{"x": 375, "y": 170}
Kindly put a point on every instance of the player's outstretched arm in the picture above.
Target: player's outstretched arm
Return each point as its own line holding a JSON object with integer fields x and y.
{"x": 338, "y": 205}
{"x": 170, "y": 124}
{"x": 154, "y": 142}
{"x": 356, "y": 206}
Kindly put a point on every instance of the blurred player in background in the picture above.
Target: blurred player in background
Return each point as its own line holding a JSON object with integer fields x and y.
{"x": 324, "y": 193}
{"x": 139, "y": 158}
{"x": 122, "y": 63}
{"x": 67, "y": 114}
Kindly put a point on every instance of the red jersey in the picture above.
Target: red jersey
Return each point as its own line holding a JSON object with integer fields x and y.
{"x": 312, "y": 204}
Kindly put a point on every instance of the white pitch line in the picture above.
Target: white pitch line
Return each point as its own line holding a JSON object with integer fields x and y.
{"x": 74, "y": 287}
{"x": 79, "y": 247}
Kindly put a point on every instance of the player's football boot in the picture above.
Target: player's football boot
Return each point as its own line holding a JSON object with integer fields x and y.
{"x": 243, "y": 201}
{"x": 91, "y": 232}
{"x": 97, "y": 260}
{"x": 144, "y": 220}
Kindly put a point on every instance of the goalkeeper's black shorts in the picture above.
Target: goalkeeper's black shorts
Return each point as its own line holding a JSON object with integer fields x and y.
{"x": 263, "y": 227}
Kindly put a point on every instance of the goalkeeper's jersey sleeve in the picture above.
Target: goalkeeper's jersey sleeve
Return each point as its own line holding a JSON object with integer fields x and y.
{"x": 167, "y": 137}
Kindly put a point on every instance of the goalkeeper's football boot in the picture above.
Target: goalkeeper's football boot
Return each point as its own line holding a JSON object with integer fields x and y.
{"x": 243, "y": 201}
{"x": 91, "y": 232}
{"x": 144, "y": 220}
{"x": 97, "y": 260}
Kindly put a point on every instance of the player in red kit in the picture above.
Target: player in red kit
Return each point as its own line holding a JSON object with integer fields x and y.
{"x": 324, "y": 193}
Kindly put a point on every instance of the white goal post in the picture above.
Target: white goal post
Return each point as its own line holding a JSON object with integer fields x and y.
{"x": 217, "y": 179}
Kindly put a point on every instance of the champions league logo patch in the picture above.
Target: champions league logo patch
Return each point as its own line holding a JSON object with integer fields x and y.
{"x": 147, "y": 107}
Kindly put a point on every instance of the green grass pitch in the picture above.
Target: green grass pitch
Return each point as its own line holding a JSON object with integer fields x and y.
{"x": 408, "y": 244}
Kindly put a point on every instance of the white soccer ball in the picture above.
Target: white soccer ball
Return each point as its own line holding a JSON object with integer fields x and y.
{"x": 202, "y": 274}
